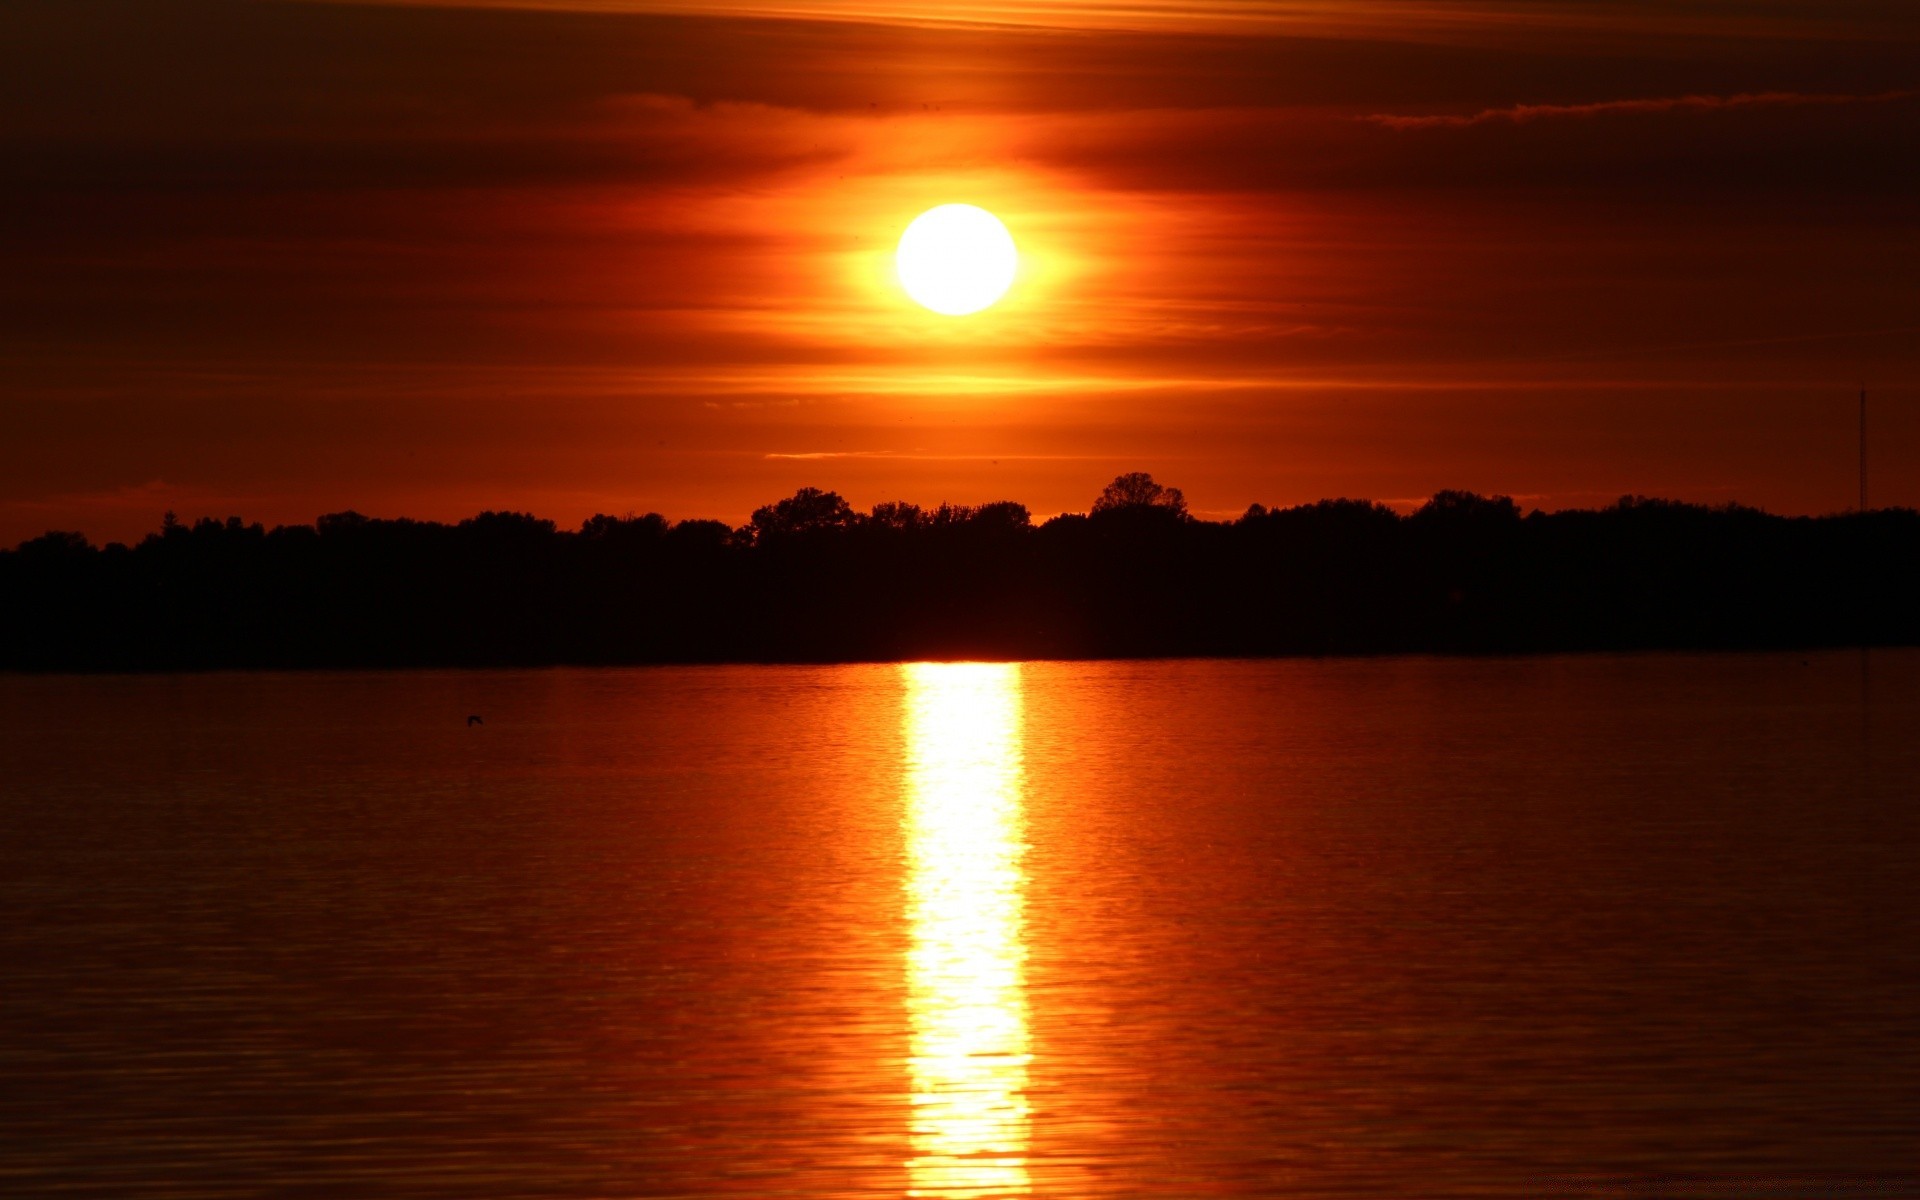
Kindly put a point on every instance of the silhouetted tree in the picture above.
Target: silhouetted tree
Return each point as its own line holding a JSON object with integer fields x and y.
{"x": 508, "y": 525}
{"x": 1003, "y": 514}
{"x": 1463, "y": 508}
{"x": 897, "y": 514}
{"x": 1136, "y": 490}
{"x": 339, "y": 523}
{"x": 806, "y": 511}
{"x": 55, "y": 545}
{"x": 628, "y": 529}
{"x": 710, "y": 535}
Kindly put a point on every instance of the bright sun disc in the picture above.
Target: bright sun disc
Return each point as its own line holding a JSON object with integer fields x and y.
{"x": 956, "y": 259}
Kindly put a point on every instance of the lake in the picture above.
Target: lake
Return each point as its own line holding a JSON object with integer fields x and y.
{"x": 1608, "y": 925}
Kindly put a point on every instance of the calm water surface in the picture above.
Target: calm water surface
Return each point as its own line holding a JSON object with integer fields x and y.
{"x": 1640, "y": 925}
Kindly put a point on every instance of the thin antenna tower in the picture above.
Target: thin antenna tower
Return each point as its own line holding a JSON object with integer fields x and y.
{"x": 1863, "y": 449}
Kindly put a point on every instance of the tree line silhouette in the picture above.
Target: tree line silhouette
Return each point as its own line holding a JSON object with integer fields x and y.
{"x": 809, "y": 578}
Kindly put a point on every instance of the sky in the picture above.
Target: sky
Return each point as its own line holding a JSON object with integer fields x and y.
{"x": 276, "y": 259}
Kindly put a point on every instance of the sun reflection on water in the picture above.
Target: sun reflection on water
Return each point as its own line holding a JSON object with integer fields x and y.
{"x": 966, "y": 835}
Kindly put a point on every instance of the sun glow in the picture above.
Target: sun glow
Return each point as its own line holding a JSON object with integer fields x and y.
{"x": 966, "y": 970}
{"x": 956, "y": 259}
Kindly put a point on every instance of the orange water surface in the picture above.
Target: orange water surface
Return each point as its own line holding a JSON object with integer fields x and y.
{"x": 1608, "y": 925}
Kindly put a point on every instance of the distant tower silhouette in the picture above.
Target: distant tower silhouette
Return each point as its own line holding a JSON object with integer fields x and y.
{"x": 1863, "y": 449}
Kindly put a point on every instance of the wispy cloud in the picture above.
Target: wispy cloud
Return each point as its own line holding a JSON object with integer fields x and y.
{"x": 916, "y": 456}
{"x": 1397, "y": 19}
{"x": 1520, "y": 114}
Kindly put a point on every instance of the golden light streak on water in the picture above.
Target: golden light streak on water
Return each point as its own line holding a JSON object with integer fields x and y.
{"x": 966, "y": 835}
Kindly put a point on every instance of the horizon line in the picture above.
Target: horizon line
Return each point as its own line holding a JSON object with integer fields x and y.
{"x": 1400, "y": 507}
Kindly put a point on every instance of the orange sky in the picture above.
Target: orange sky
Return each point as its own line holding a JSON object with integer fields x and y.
{"x": 278, "y": 259}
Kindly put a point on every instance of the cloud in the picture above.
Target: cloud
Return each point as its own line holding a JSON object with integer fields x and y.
{"x": 916, "y": 456}
{"x": 1401, "y": 20}
{"x": 1520, "y": 114}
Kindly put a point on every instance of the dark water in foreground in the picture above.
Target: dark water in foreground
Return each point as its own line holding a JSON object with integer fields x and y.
{"x": 1583, "y": 926}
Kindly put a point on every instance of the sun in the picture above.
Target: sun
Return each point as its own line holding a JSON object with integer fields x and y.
{"x": 956, "y": 259}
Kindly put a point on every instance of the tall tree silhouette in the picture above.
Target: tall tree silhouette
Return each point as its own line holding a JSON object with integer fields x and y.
{"x": 1136, "y": 489}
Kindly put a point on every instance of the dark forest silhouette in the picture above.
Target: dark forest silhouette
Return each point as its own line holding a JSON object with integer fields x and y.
{"x": 811, "y": 579}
